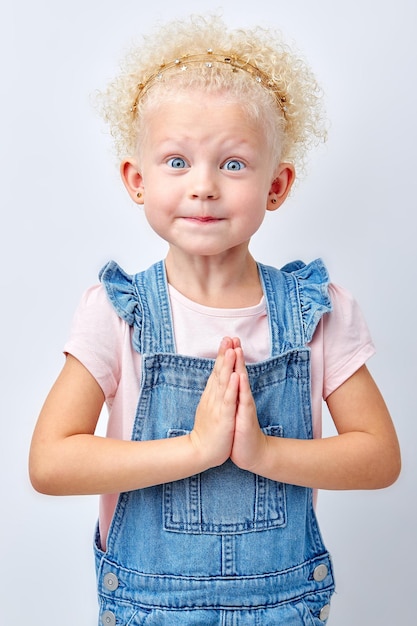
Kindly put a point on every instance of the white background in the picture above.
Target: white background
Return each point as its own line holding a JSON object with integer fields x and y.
{"x": 64, "y": 213}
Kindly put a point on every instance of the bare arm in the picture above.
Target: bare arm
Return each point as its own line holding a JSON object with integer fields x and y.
{"x": 364, "y": 455}
{"x": 67, "y": 458}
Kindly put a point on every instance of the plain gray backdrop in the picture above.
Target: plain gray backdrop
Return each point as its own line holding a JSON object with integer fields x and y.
{"x": 65, "y": 213}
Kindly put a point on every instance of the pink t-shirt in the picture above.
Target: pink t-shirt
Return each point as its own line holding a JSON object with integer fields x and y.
{"x": 101, "y": 340}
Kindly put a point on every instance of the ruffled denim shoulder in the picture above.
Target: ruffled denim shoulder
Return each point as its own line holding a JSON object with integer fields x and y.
{"x": 121, "y": 291}
{"x": 312, "y": 281}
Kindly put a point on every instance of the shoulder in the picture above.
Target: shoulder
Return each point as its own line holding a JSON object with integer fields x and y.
{"x": 345, "y": 339}
{"x": 346, "y": 312}
{"x": 97, "y": 338}
{"x": 94, "y": 296}
{"x": 95, "y": 307}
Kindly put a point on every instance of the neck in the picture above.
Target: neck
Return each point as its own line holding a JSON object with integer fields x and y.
{"x": 231, "y": 282}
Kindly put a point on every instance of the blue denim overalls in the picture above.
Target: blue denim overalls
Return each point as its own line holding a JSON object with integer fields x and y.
{"x": 225, "y": 547}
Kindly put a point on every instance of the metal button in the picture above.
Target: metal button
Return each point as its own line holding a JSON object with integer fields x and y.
{"x": 324, "y": 613}
{"x": 110, "y": 581}
{"x": 108, "y": 618}
{"x": 320, "y": 572}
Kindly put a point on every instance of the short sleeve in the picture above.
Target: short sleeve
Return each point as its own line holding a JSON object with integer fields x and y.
{"x": 347, "y": 343}
{"x": 96, "y": 338}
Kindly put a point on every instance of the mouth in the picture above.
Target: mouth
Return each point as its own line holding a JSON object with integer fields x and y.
{"x": 203, "y": 220}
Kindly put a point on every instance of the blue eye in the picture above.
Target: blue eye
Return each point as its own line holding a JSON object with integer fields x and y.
{"x": 234, "y": 165}
{"x": 177, "y": 163}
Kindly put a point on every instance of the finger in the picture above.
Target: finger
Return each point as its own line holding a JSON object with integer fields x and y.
{"x": 245, "y": 392}
{"x": 220, "y": 376}
{"x": 225, "y": 344}
{"x": 225, "y": 365}
{"x": 240, "y": 365}
{"x": 230, "y": 396}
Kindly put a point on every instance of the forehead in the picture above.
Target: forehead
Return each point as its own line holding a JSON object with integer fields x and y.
{"x": 191, "y": 112}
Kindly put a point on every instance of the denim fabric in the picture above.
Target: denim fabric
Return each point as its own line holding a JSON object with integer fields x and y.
{"x": 225, "y": 546}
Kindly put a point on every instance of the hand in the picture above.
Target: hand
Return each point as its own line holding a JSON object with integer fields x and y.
{"x": 214, "y": 424}
{"x": 249, "y": 443}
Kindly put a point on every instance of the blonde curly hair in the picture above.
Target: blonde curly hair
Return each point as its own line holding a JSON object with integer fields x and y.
{"x": 288, "y": 104}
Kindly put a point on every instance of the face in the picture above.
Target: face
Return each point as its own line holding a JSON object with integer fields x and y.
{"x": 205, "y": 175}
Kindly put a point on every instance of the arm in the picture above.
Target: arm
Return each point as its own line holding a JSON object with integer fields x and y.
{"x": 364, "y": 455}
{"x": 67, "y": 458}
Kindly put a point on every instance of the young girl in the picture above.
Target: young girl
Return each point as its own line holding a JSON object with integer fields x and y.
{"x": 213, "y": 366}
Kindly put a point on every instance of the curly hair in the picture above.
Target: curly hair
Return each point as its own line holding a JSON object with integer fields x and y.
{"x": 289, "y": 104}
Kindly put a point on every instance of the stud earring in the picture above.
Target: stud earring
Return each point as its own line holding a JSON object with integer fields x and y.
{"x": 139, "y": 195}
{"x": 273, "y": 200}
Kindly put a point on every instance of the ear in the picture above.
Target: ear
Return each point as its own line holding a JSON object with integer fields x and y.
{"x": 132, "y": 180}
{"x": 281, "y": 186}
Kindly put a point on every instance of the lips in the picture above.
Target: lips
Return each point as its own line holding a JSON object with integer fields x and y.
{"x": 204, "y": 220}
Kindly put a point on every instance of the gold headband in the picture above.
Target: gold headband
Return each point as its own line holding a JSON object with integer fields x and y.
{"x": 208, "y": 59}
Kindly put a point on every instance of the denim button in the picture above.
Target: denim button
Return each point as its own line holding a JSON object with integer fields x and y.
{"x": 320, "y": 572}
{"x": 324, "y": 613}
{"x": 111, "y": 582}
{"x": 108, "y": 618}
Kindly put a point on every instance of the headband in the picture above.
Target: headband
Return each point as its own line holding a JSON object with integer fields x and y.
{"x": 209, "y": 58}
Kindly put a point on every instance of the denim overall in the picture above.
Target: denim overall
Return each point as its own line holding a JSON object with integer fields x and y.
{"x": 224, "y": 547}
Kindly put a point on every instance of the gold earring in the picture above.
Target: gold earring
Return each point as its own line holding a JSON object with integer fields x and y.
{"x": 139, "y": 195}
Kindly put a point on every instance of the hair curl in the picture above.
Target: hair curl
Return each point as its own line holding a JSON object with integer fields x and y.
{"x": 292, "y": 132}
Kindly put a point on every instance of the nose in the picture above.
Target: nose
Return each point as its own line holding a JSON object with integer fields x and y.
{"x": 203, "y": 184}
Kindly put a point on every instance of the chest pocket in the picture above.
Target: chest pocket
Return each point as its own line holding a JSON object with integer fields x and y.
{"x": 224, "y": 500}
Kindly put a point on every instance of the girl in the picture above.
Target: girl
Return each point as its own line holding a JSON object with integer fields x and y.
{"x": 213, "y": 366}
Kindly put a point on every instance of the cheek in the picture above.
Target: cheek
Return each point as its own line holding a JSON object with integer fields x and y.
{"x": 155, "y": 222}
{"x": 157, "y": 210}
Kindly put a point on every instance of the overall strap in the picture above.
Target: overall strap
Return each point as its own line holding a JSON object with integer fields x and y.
{"x": 142, "y": 301}
{"x": 157, "y": 326}
{"x": 297, "y": 297}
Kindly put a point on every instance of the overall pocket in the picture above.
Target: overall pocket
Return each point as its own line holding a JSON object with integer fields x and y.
{"x": 224, "y": 500}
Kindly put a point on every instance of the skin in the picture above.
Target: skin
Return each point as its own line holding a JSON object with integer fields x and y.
{"x": 207, "y": 178}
